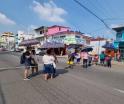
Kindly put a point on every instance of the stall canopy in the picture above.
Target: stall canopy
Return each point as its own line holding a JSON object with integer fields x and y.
{"x": 29, "y": 42}
{"x": 109, "y": 46}
{"x": 87, "y": 49}
{"x": 52, "y": 45}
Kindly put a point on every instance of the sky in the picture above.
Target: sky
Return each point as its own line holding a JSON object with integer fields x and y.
{"x": 29, "y": 14}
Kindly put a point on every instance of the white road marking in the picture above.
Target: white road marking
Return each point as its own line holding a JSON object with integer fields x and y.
{"x": 5, "y": 68}
{"x": 119, "y": 90}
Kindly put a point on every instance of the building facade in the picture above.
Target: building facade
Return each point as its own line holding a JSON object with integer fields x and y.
{"x": 8, "y": 40}
{"x": 97, "y": 44}
{"x": 119, "y": 41}
{"x": 20, "y": 36}
{"x": 59, "y": 34}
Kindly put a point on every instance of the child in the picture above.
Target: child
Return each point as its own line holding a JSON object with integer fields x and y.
{"x": 96, "y": 59}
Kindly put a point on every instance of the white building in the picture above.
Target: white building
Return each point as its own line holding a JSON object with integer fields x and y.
{"x": 8, "y": 40}
{"x": 20, "y": 36}
{"x": 97, "y": 45}
{"x": 40, "y": 34}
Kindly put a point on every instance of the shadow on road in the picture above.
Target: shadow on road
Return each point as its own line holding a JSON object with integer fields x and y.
{"x": 2, "y": 97}
{"x": 61, "y": 71}
{"x": 58, "y": 72}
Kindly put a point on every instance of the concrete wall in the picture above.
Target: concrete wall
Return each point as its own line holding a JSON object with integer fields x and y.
{"x": 97, "y": 46}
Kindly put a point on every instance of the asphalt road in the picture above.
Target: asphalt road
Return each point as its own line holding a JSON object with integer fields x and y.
{"x": 95, "y": 85}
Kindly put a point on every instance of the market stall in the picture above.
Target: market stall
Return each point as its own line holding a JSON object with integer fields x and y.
{"x": 57, "y": 47}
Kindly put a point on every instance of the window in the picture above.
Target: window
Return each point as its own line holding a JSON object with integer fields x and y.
{"x": 59, "y": 28}
{"x": 119, "y": 36}
{"x": 77, "y": 36}
{"x": 55, "y": 37}
{"x": 62, "y": 36}
{"x": 41, "y": 32}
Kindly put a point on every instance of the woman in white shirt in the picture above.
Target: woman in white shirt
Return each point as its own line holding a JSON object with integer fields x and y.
{"x": 48, "y": 61}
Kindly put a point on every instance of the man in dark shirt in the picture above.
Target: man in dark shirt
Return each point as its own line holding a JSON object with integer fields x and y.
{"x": 26, "y": 56}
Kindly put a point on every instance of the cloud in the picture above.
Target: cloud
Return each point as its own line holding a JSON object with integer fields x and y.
{"x": 32, "y": 27}
{"x": 116, "y": 25}
{"x": 5, "y": 20}
{"x": 49, "y": 11}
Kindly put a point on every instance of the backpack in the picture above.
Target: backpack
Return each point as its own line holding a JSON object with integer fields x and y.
{"x": 22, "y": 59}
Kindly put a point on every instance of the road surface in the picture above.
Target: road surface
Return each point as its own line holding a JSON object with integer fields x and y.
{"x": 96, "y": 85}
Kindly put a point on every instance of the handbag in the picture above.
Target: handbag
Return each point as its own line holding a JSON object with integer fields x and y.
{"x": 54, "y": 65}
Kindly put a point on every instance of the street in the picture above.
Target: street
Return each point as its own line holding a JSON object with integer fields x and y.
{"x": 95, "y": 85}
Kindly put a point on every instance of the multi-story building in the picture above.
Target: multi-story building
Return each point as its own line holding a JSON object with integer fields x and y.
{"x": 60, "y": 34}
{"x": 20, "y": 36}
{"x": 8, "y": 40}
{"x": 40, "y": 34}
{"x": 119, "y": 41}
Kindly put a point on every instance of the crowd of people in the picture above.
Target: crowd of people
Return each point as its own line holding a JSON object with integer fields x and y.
{"x": 30, "y": 60}
{"x": 88, "y": 59}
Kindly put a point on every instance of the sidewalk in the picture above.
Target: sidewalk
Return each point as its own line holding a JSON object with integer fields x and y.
{"x": 118, "y": 63}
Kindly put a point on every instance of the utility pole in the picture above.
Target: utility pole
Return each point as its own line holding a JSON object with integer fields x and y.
{"x": 99, "y": 46}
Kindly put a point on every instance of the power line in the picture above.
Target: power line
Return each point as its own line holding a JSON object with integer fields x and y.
{"x": 79, "y": 3}
{"x": 114, "y": 18}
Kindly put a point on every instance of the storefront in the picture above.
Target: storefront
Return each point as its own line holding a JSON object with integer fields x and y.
{"x": 121, "y": 48}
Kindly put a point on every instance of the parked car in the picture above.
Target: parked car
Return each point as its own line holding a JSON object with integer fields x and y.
{"x": 37, "y": 51}
{"x": 43, "y": 52}
{"x": 18, "y": 50}
{"x": 3, "y": 49}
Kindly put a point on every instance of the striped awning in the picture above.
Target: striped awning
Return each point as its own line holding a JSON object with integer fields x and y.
{"x": 52, "y": 45}
{"x": 29, "y": 42}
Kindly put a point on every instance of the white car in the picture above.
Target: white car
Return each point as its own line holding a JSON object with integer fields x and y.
{"x": 37, "y": 51}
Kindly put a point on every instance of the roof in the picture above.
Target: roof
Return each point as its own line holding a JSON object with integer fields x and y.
{"x": 52, "y": 45}
{"x": 42, "y": 27}
{"x": 118, "y": 29}
{"x": 29, "y": 42}
{"x": 9, "y": 34}
{"x": 57, "y": 26}
{"x": 97, "y": 39}
{"x": 68, "y": 32}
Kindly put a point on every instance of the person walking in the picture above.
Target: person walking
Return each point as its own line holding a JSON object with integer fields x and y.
{"x": 90, "y": 60}
{"x": 118, "y": 56}
{"x": 71, "y": 58}
{"x": 55, "y": 61}
{"x": 96, "y": 59}
{"x": 109, "y": 59}
{"x": 34, "y": 62}
{"x": 48, "y": 61}
{"x": 27, "y": 63}
{"x": 84, "y": 56}
{"x": 78, "y": 57}
{"x": 102, "y": 58}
